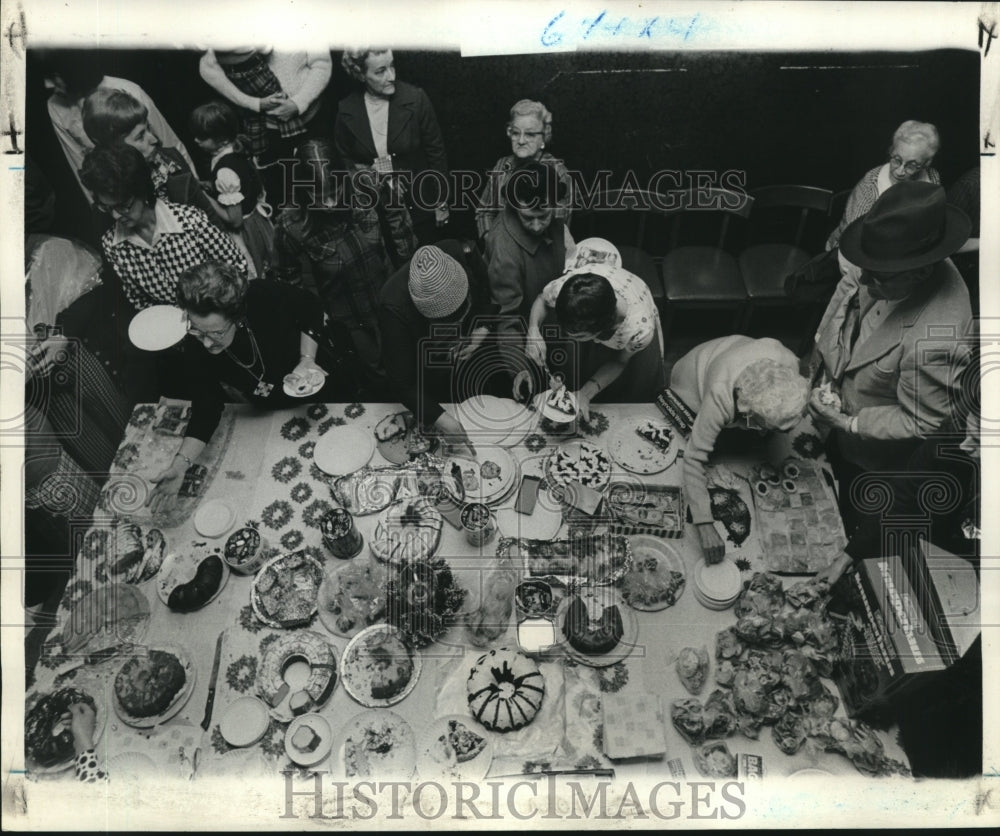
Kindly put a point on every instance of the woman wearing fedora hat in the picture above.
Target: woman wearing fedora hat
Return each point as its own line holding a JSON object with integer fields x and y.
{"x": 880, "y": 342}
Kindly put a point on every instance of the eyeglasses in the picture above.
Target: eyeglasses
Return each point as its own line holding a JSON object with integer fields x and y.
{"x": 514, "y": 133}
{"x": 214, "y": 336}
{"x": 910, "y": 166}
{"x": 122, "y": 208}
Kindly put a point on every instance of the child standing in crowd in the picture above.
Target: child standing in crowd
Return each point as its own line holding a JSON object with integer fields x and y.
{"x": 113, "y": 116}
{"x": 238, "y": 189}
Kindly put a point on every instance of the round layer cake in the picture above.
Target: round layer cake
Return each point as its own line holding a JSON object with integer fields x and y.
{"x": 505, "y": 690}
{"x": 310, "y": 646}
{"x": 146, "y": 686}
{"x": 592, "y": 627}
{"x": 408, "y": 532}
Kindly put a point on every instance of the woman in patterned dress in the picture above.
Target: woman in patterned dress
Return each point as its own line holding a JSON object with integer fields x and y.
{"x": 611, "y": 315}
{"x": 152, "y": 241}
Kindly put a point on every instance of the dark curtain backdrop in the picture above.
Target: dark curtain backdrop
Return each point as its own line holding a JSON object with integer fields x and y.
{"x": 819, "y": 118}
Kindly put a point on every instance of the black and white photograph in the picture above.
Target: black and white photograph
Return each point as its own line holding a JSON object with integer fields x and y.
{"x": 499, "y": 415}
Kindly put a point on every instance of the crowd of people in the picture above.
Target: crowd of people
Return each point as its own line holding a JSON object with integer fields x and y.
{"x": 350, "y": 278}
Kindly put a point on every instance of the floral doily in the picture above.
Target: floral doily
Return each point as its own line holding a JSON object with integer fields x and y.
{"x": 302, "y": 492}
{"x": 241, "y": 674}
{"x": 612, "y": 679}
{"x": 317, "y": 411}
{"x": 597, "y": 424}
{"x": 277, "y": 514}
{"x": 334, "y": 421}
{"x": 314, "y": 512}
{"x": 808, "y": 446}
{"x": 535, "y": 442}
{"x": 249, "y": 621}
{"x": 294, "y": 429}
{"x": 291, "y": 540}
{"x": 286, "y": 470}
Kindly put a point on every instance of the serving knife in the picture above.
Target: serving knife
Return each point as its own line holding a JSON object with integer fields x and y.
{"x": 210, "y": 699}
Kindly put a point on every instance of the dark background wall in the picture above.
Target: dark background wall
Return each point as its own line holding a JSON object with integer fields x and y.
{"x": 824, "y": 125}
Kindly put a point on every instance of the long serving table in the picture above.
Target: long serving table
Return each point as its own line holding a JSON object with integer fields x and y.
{"x": 265, "y": 471}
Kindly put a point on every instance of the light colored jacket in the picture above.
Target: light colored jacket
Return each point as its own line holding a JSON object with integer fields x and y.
{"x": 899, "y": 380}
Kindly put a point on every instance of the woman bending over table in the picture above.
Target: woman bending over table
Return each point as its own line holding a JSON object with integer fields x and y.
{"x": 611, "y": 314}
{"x": 255, "y": 337}
{"x": 733, "y": 382}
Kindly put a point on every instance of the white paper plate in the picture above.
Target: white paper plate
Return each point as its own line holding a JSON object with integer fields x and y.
{"x": 131, "y": 766}
{"x": 645, "y": 546}
{"x": 214, "y": 518}
{"x": 320, "y": 726}
{"x": 638, "y": 455}
{"x": 244, "y": 722}
{"x": 400, "y": 759}
{"x": 718, "y": 582}
{"x": 433, "y": 761}
{"x": 495, "y": 421}
{"x": 490, "y": 490}
{"x": 344, "y": 450}
{"x": 296, "y": 387}
{"x": 157, "y": 328}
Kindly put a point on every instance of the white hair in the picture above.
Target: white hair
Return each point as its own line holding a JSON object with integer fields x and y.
{"x": 775, "y": 392}
{"x": 913, "y": 131}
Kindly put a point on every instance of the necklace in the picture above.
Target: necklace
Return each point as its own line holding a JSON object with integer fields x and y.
{"x": 263, "y": 389}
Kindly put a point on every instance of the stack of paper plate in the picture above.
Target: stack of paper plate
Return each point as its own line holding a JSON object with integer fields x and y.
{"x": 718, "y": 585}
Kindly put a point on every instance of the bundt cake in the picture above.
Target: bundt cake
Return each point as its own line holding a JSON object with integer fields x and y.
{"x": 408, "y": 532}
{"x": 593, "y": 629}
{"x": 505, "y": 690}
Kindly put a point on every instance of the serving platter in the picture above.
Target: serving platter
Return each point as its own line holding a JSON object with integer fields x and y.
{"x": 652, "y": 561}
{"x": 282, "y": 563}
{"x": 438, "y": 757}
{"x": 639, "y": 455}
{"x": 64, "y": 695}
{"x": 176, "y": 704}
{"x": 358, "y": 665}
{"x": 579, "y": 461}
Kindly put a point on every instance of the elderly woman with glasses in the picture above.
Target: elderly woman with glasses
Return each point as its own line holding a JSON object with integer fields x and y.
{"x": 733, "y": 382}
{"x": 910, "y": 156}
{"x": 529, "y": 131}
{"x": 266, "y": 340}
{"x": 152, "y": 240}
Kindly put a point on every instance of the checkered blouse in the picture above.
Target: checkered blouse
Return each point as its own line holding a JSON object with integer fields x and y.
{"x": 184, "y": 237}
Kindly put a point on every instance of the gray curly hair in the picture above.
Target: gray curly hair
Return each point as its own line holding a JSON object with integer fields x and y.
{"x": 775, "y": 392}
{"x": 355, "y": 61}
{"x": 528, "y": 107}
{"x": 914, "y": 131}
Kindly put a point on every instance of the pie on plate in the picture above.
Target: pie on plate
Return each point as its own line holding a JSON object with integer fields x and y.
{"x": 452, "y": 747}
{"x": 378, "y": 667}
{"x": 378, "y": 744}
{"x": 285, "y": 590}
{"x": 409, "y": 531}
{"x": 579, "y": 461}
{"x": 352, "y": 598}
{"x": 656, "y": 580}
{"x": 152, "y": 687}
